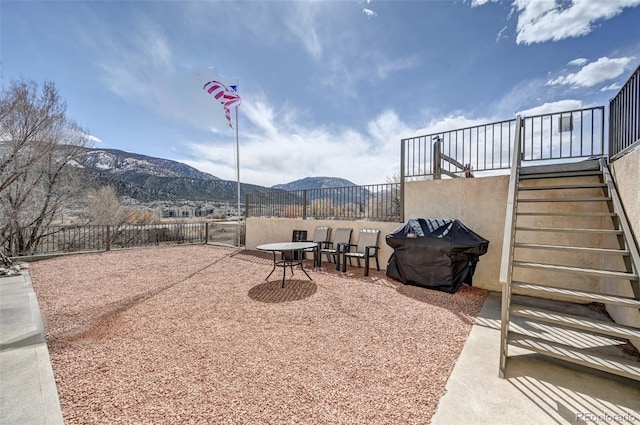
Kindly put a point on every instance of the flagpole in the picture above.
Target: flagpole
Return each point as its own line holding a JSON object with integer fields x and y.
{"x": 238, "y": 174}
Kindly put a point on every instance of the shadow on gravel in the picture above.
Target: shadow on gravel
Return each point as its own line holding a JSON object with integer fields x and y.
{"x": 273, "y": 292}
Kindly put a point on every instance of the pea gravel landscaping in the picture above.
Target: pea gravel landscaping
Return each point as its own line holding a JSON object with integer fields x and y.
{"x": 195, "y": 335}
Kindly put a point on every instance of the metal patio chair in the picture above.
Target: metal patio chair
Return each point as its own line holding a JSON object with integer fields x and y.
{"x": 296, "y": 236}
{"x": 367, "y": 247}
{"x": 321, "y": 237}
{"x": 341, "y": 237}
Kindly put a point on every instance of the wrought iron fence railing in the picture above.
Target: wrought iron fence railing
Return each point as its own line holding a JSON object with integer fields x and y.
{"x": 379, "y": 202}
{"x": 624, "y": 116}
{"x": 564, "y": 135}
{"x": 483, "y": 147}
{"x": 488, "y": 147}
{"x": 85, "y": 238}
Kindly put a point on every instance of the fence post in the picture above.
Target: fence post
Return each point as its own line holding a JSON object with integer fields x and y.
{"x": 108, "y": 241}
{"x": 402, "y": 173}
{"x": 206, "y": 232}
{"x": 304, "y": 204}
{"x": 437, "y": 159}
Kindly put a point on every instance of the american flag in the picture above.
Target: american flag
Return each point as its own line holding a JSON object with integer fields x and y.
{"x": 225, "y": 95}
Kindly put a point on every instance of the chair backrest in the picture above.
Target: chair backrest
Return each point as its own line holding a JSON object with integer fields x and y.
{"x": 299, "y": 235}
{"x": 321, "y": 234}
{"x": 367, "y": 237}
{"x": 341, "y": 235}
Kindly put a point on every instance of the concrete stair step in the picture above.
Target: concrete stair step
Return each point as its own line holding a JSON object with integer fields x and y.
{"x": 574, "y": 295}
{"x": 576, "y": 199}
{"x": 567, "y": 214}
{"x": 590, "y": 165}
{"x": 559, "y": 174}
{"x": 575, "y": 322}
{"x": 578, "y": 270}
{"x": 585, "y": 357}
{"x": 569, "y": 230}
{"x": 564, "y": 186}
{"x": 581, "y": 249}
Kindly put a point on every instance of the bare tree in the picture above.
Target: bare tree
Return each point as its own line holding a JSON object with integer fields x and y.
{"x": 37, "y": 143}
{"x": 394, "y": 178}
{"x": 104, "y": 207}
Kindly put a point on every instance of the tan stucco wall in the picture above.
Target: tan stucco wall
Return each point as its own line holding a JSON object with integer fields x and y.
{"x": 266, "y": 230}
{"x": 480, "y": 204}
{"x": 626, "y": 172}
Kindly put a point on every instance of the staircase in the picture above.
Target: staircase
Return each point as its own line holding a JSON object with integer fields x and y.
{"x": 568, "y": 242}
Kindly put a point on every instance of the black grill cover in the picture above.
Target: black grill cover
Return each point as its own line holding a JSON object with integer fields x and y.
{"x": 438, "y": 254}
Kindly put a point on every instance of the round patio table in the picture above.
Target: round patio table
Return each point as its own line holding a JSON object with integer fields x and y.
{"x": 292, "y": 255}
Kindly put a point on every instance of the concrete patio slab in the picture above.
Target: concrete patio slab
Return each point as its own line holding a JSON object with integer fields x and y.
{"x": 28, "y": 393}
{"x": 537, "y": 389}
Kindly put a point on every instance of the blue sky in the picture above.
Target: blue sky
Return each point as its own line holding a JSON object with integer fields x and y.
{"x": 329, "y": 88}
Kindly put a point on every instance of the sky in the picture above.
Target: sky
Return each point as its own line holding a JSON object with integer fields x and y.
{"x": 327, "y": 88}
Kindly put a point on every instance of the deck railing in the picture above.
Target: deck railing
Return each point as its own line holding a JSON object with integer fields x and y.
{"x": 85, "y": 238}
{"x": 624, "y": 117}
{"x": 564, "y": 135}
{"x": 487, "y": 147}
{"x": 379, "y": 202}
{"x": 484, "y": 147}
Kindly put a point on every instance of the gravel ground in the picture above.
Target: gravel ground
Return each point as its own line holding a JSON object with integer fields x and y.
{"x": 195, "y": 335}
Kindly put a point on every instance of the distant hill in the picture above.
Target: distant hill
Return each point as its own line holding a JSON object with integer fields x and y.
{"x": 120, "y": 162}
{"x": 314, "y": 183}
{"x": 145, "y": 179}
{"x": 333, "y": 188}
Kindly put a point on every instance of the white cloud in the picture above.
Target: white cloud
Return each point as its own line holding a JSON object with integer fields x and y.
{"x": 366, "y": 10}
{"x": 370, "y": 13}
{"x": 551, "y": 20}
{"x": 131, "y": 68}
{"x": 290, "y": 154}
{"x": 78, "y": 135}
{"x": 145, "y": 70}
{"x": 92, "y": 139}
{"x": 277, "y": 148}
{"x": 303, "y": 24}
{"x": 554, "y": 20}
{"x": 448, "y": 123}
{"x": 604, "y": 69}
{"x": 578, "y": 62}
{"x": 611, "y": 87}
{"x": 386, "y": 67}
{"x": 475, "y": 3}
{"x": 500, "y": 34}
{"x": 552, "y": 107}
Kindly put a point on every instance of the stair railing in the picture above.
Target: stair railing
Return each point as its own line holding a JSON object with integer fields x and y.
{"x": 440, "y": 158}
{"x": 506, "y": 268}
{"x": 632, "y": 244}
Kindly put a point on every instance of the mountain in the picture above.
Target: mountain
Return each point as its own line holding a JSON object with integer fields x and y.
{"x": 334, "y": 188}
{"x": 120, "y": 162}
{"x": 145, "y": 179}
{"x": 314, "y": 183}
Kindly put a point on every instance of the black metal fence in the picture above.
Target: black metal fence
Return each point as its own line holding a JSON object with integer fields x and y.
{"x": 564, "y": 135}
{"x": 482, "y": 147}
{"x": 86, "y": 238}
{"x": 379, "y": 202}
{"x": 624, "y": 116}
{"x": 488, "y": 147}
